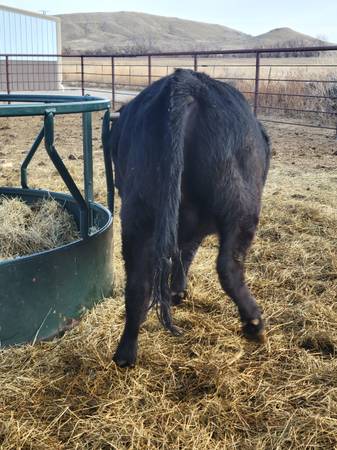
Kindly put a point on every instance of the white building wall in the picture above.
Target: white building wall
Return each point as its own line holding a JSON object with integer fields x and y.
{"x": 24, "y": 32}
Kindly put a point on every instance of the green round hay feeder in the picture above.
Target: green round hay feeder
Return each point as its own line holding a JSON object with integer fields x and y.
{"x": 45, "y": 293}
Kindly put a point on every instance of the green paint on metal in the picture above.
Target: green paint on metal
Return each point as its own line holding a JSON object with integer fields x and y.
{"x": 41, "y": 294}
{"x": 87, "y": 160}
{"x": 55, "y": 103}
{"x": 28, "y": 158}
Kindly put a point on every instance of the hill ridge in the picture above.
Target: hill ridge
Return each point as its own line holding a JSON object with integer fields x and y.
{"x": 142, "y": 32}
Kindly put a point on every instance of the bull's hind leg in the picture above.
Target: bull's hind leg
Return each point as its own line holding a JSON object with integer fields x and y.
{"x": 180, "y": 267}
{"x": 234, "y": 243}
{"x": 137, "y": 295}
{"x": 190, "y": 236}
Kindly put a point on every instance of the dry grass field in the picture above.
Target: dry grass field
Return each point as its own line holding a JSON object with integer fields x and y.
{"x": 287, "y": 88}
{"x": 134, "y": 71}
{"x": 208, "y": 389}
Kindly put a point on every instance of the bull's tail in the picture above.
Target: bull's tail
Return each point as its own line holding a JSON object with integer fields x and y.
{"x": 166, "y": 224}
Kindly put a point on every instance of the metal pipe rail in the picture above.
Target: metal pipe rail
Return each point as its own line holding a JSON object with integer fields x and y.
{"x": 48, "y": 106}
{"x": 122, "y": 76}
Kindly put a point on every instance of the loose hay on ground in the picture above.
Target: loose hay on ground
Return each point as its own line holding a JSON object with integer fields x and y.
{"x": 208, "y": 389}
{"x": 27, "y": 229}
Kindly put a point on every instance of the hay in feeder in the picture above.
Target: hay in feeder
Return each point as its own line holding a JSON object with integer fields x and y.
{"x": 27, "y": 229}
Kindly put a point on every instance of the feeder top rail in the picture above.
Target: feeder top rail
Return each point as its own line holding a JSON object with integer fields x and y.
{"x": 57, "y": 104}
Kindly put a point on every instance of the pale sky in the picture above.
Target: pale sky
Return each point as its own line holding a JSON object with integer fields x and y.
{"x": 313, "y": 17}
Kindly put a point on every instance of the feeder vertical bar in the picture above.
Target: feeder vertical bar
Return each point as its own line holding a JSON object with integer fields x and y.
{"x": 108, "y": 161}
{"x": 113, "y": 88}
{"x": 63, "y": 171}
{"x": 87, "y": 160}
{"x": 28, "y": 158}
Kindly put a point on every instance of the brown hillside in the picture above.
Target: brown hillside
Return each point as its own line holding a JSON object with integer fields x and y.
{"x": 123, "y": 31}
{"x": 283, "y": 37}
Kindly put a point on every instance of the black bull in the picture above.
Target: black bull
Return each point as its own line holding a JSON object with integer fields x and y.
{"x": 190, "y": 160}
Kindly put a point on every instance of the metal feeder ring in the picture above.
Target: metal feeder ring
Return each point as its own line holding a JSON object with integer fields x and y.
{"x": 45, "y": 293}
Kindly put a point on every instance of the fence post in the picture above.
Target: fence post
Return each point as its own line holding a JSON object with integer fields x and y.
{"x": 82, "y": 74}
{"x": 7, "y": 76}
{"x": 195, "y": 63}
{"x": 149, "y": 69}
{"x": 113, "y": 89}
{"x": 257, "y": 79}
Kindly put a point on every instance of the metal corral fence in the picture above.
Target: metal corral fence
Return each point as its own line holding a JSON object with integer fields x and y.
{"x": 284, "y": 85}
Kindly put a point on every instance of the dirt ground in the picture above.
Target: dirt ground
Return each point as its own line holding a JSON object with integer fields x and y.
{"x": 296, "y": 147}
{"x": 208, "y": 389}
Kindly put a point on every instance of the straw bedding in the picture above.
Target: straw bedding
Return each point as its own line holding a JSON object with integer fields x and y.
{"x": 27, "y": 229}
{"x": 209, "y": 389}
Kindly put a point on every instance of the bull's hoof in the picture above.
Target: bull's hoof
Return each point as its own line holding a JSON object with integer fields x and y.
{"x": 125, "y": 357}
{"x": 178, "y": 297}
{"x": 253, "y": 330}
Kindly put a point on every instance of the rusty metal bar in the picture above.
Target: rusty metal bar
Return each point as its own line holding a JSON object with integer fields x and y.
{"x": 236, "y": 78}
{"x": 256, "y": 96}
{"x": 257, "y": 76}
{"x": 294, "y": 80}
{"x": 284, "y": 94}
{"x": 311, "y": 111}
{"x": 7, "y": 75}
{"x": 82, "y": 74}
{"x": 113, "y": 87}
{"x": 189, "y": 53}
{"x": 307, "y": 125}
{"x": 195, "y": 63}
{"x": 149, "y": 69}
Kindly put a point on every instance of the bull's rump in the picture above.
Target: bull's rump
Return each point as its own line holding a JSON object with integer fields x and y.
{"x": 225, "y": 151}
